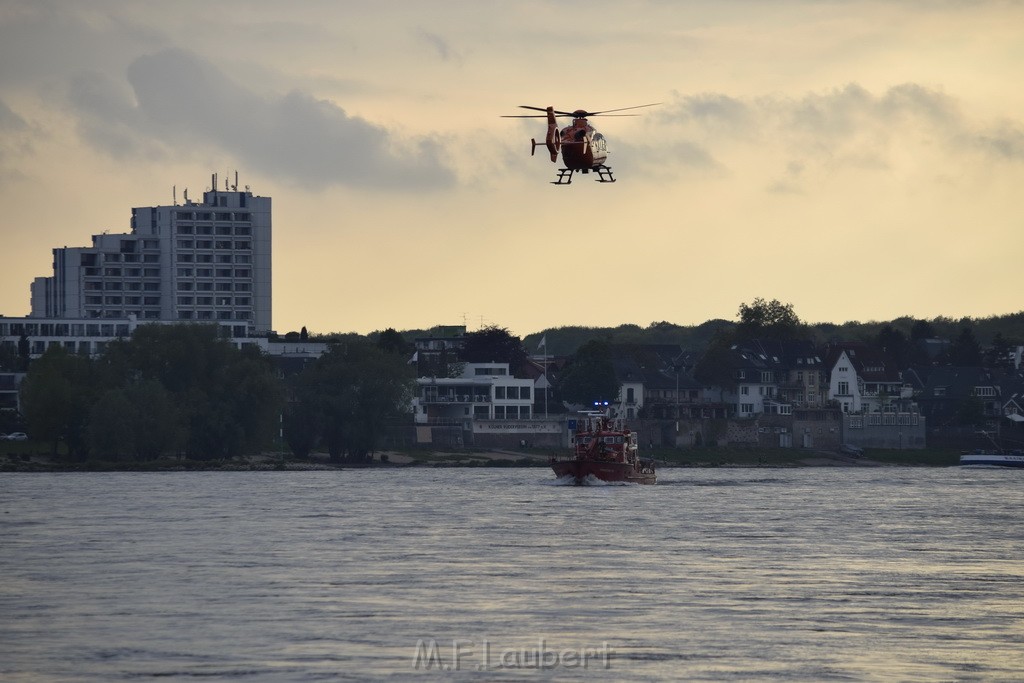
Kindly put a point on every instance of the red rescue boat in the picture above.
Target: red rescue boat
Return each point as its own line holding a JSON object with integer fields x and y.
{"x": 604, "y": 450}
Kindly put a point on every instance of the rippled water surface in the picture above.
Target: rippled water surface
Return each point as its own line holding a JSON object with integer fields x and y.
{"x": 485, "y": 574}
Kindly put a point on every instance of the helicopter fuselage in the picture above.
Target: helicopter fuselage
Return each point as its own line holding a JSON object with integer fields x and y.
{"x": 582, "y": 146}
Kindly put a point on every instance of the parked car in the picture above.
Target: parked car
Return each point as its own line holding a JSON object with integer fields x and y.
{"x": 17, "y": 436}
{"x": 850, "y": 449}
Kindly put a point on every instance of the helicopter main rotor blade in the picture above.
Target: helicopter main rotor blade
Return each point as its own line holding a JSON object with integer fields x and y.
{"x": 544, "y": 109}
{"x": 575, "y": 114}
{"x": 608, "y": 111}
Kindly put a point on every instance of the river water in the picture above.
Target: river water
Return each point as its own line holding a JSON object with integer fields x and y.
{"x": 808, "y": 574}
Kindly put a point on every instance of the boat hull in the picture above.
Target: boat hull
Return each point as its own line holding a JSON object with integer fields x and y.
{"x": 992, "y": 460}
{"x": 581, "y": 470}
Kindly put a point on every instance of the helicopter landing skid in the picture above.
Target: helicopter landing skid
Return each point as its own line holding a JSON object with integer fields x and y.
{"x": 604, "y": 174}
{"x": 564, "y": 177}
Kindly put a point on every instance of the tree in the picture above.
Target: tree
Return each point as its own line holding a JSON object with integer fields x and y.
{"x": 894, "y": 346}
{"x": 965, "y": 350}
{"x": 56, "y": 396}
{"x": 392, "y": 341}
{"x": 494, "y": 344}
{"x": 188, "y": 387}
{"x": 999, "y": 354}
{"x": 138, "y": 421}
{"x": 589, "y": 376}
{"x": 769, "y": 320}
{"x": 922, "y": 329}
{"x": 347, "y": 396}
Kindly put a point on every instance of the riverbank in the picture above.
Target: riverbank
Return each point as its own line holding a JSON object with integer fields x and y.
{"x": 708, "y": 457}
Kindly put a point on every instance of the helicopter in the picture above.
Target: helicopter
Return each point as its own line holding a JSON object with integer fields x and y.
{"x": 583, "y": 148}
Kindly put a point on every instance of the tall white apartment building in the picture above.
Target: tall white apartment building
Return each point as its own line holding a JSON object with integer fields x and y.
{"x": 191, "y": 262}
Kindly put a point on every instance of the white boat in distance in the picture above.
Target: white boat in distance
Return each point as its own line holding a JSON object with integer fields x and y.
{"x": 993, "y": 459}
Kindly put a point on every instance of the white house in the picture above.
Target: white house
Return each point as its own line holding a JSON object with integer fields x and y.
{"x": 861, "y": 382}
{"x": 484, "y": 391}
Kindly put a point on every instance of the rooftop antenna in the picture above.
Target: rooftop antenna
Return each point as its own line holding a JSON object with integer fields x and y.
{"x": 213, "y": 182}
{"x": 226, "y": 186}
{"x": 234, "y": 188}
{"x": 186, "y": 196}
{"x": 174, "y": 191}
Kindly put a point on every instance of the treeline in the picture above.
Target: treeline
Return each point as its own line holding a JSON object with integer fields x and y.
{"x": 564, "y": 341}
{"x": 184, "y": 390}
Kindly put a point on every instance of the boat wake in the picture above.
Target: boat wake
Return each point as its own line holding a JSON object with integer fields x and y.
{"x": 589, "y": 480}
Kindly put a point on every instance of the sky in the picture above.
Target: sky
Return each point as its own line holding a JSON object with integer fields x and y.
{"x": 858, "y": 160}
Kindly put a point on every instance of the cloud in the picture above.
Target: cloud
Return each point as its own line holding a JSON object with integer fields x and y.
{"x": 1004, "y": 140}
{"x": 441, "y": 46}
{"x": 176, "y": 100}
{"x": 9, "y": 121}
{"x": 15, "y": 141}
{"x": 842, "y": 128}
